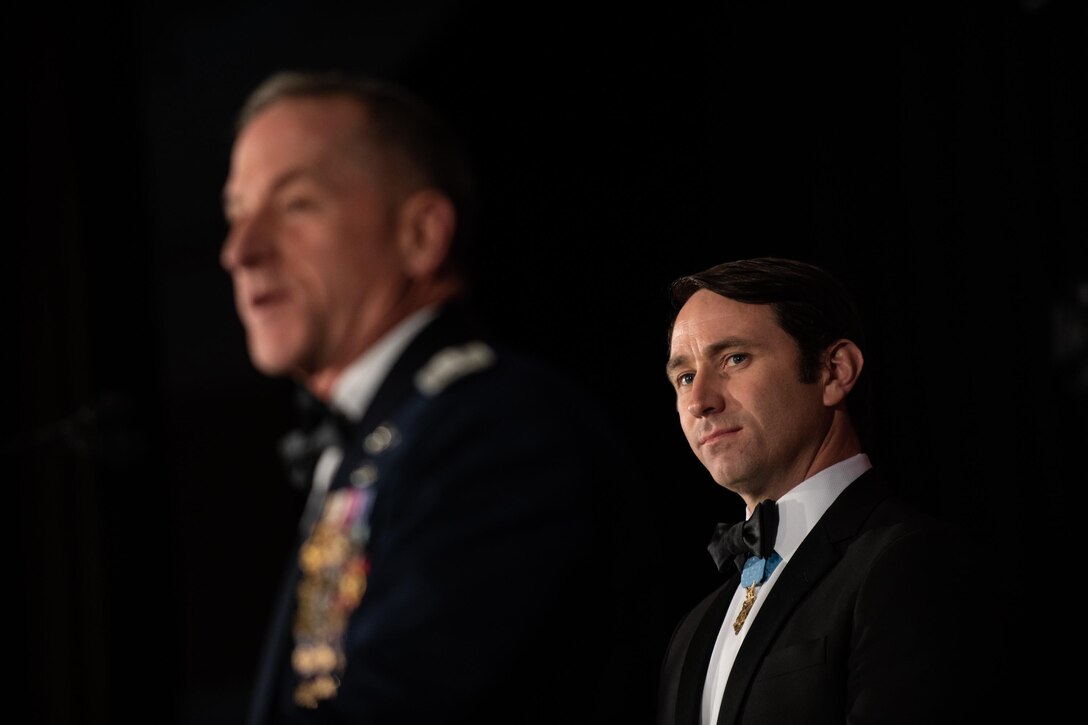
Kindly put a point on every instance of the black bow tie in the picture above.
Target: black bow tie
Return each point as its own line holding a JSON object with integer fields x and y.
{"x": 736, "y": 542}
{"x": 321, "y": 426}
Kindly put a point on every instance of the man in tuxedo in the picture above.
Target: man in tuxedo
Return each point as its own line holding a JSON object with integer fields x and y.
{"x": 454, "y": 561}
{"x": 840, "y": 602}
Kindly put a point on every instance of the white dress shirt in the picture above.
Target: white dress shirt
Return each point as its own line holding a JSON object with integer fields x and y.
{"x": 355, "y": 389}
{"x": 798, "y": 511}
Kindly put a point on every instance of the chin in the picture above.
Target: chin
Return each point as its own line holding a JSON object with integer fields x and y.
{"x": 273, "y": 360}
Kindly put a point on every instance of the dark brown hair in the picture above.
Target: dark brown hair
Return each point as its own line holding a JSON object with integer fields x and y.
{"x": 810, "y": 304}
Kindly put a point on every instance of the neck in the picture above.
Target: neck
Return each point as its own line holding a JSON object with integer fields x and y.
{"x": 839, "y": 442}
{"x": 321, "y": 380}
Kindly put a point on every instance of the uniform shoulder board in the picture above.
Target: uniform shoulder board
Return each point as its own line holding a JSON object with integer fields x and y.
{"x": 453, "y": 363}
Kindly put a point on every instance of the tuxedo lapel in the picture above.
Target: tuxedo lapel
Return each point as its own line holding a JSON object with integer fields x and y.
{"x": 809, "y": 564}
{"x": 696, "y": 660}
{"x": 821, "y": 550}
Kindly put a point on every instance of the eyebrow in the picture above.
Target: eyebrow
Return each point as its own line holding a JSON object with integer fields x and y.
{"x": 290, "y": 176}
{"x": 674, "y": 364}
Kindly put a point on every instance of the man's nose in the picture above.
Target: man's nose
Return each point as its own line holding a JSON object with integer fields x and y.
{"x": 705, "y": 398}
{"x": 248, "y": 241}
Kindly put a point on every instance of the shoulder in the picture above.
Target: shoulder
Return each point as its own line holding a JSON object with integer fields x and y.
{"x": 459, "y": 350}
{"x": 484, "y": 378}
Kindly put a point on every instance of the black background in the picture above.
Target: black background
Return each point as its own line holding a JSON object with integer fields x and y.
{"x": 930, "y": 153}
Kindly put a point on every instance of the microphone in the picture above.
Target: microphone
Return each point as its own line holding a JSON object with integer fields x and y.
{"x": 102, "y": 429}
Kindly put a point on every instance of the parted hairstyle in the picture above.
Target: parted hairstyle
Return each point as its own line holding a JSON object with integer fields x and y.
{"x": 811, "y": 306}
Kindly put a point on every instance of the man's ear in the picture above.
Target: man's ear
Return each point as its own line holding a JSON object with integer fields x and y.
{"x": 426, "y": 223}
{"x": 844, "y": 364}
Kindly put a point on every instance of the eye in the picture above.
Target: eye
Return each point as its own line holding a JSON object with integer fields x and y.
{"x": 298, "y": 203}
{"x": 684, "y": 380}
{"x": 736, "y": 358}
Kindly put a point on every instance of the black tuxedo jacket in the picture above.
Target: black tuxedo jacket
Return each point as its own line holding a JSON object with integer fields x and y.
{"x": 492, "y": 593}
{"x": 883, "y": 615}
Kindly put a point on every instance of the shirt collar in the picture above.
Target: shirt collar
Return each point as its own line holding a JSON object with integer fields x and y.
{"x": 359, "y": 382}
{"x": 803, "y": 505}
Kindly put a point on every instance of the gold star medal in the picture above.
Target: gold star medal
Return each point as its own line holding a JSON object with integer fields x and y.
{"x": 334, "y": 573}
{"x": 756, "y": 571}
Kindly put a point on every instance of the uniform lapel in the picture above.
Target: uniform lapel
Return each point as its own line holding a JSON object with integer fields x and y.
{"x": 453, "y": 325}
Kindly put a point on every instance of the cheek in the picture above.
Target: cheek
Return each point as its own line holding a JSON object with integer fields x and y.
{"x": 327, "y": 271}
{"x": 363, "y": 257}
{"x": 789, "y": 412}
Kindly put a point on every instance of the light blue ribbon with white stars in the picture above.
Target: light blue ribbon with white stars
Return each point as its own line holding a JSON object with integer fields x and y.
{"x": 758, "y": 570}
